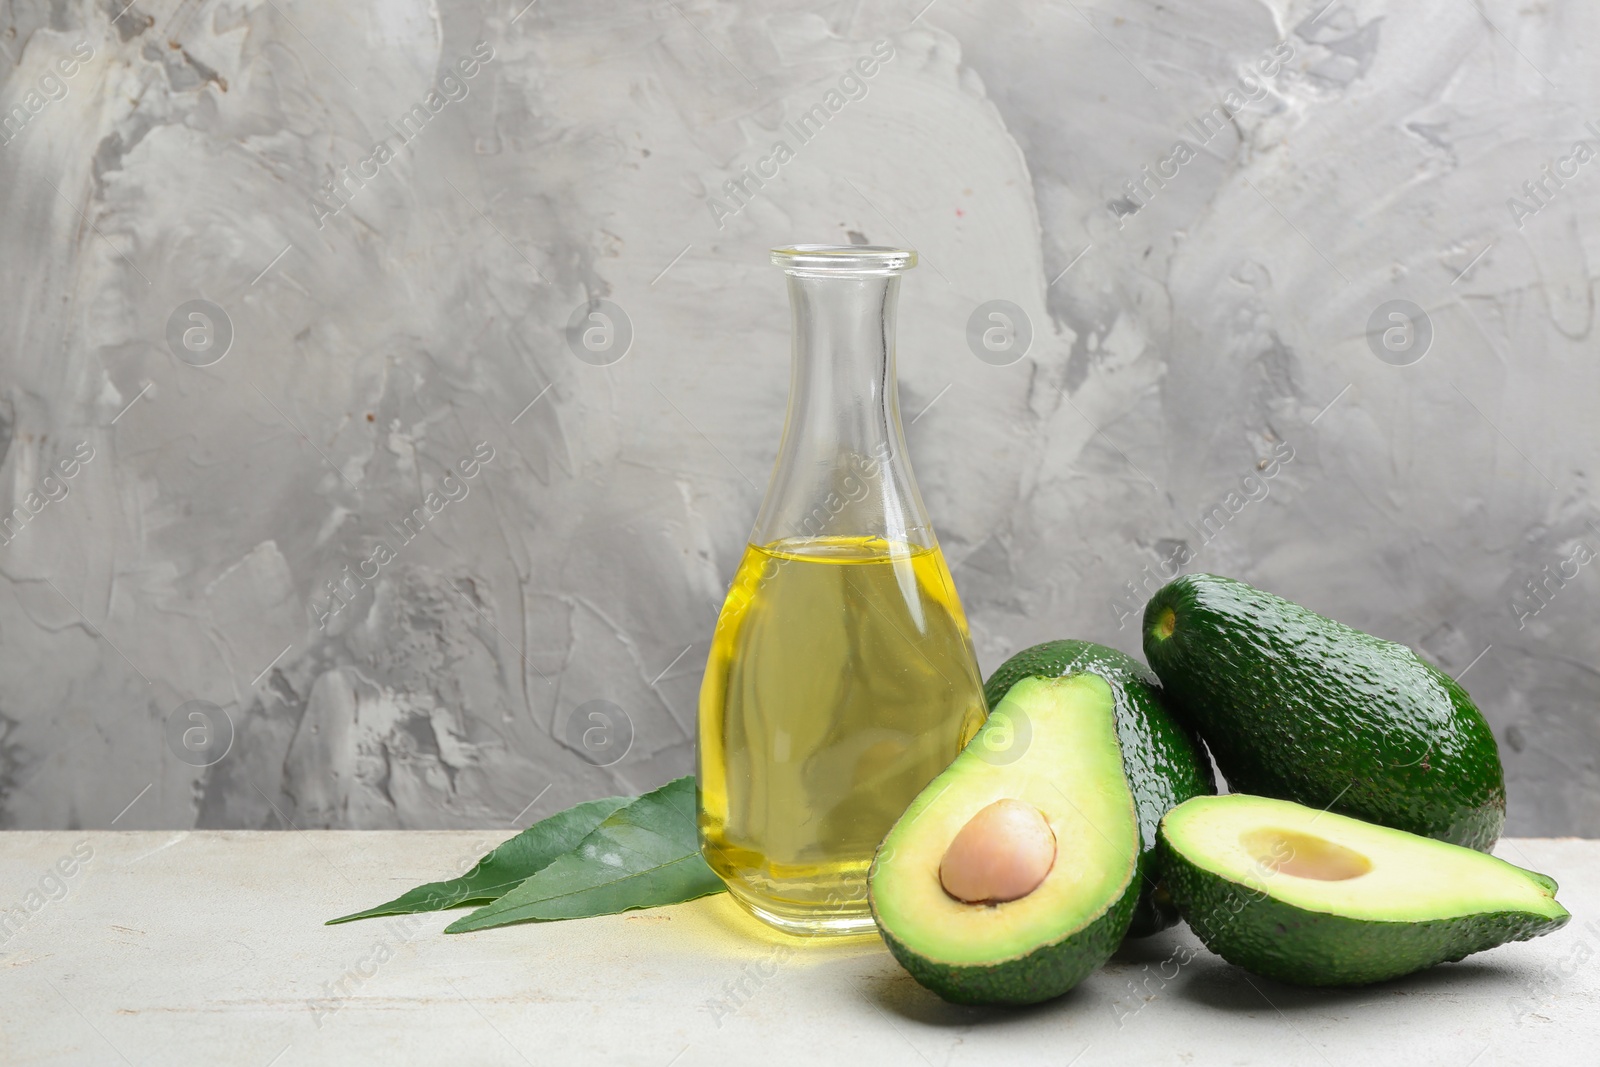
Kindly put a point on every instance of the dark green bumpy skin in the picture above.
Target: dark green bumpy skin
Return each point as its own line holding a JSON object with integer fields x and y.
{"x": 1164, "y": 761}
{"x": 1250, "y": 929}
{"x": 1039, "y": 976}
{"x": 1296, "y": 706}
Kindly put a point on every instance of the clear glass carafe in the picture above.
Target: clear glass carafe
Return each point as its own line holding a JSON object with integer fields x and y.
{"x": 841, "y": 677}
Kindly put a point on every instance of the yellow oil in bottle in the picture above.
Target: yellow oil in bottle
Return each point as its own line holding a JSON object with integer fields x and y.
{"x": 841, "y": 680}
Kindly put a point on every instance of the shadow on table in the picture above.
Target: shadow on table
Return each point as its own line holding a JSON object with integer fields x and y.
{"x": 1155, "y": 948}
{"x": 1217, "y": 984}
{"x": 900, "y": 995}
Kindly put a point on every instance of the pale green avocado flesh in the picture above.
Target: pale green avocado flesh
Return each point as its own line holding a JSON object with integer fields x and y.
{"x": 1051, "y": 743}
{"x": 1316, "y": 898}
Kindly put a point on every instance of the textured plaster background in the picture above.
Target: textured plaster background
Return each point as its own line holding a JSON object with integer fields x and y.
{"x": 1187, "y": 336}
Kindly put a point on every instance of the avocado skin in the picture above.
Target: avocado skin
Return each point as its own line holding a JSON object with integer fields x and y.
{"x": 1250, "y": 929}
{"x": 1164, "y": 761}
{"x": 1296, "y": 706}
{"x": 1043, "y": 974}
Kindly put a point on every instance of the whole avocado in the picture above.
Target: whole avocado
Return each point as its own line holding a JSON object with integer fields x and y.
{"x": 1296, "y": 706}
{"x": 1164, "y": 761}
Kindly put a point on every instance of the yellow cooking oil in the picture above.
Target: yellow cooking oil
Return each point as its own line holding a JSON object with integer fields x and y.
{"x": 841, "y": 680}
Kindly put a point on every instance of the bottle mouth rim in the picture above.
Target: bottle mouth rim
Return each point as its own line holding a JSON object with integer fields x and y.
{"x": 843, "y": 259}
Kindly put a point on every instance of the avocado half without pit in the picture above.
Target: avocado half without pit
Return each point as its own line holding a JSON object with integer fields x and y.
{"x": 1315, "y": 898}
{"x": 1014, "y": 874}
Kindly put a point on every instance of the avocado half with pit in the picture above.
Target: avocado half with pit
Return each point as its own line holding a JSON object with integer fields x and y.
{"x": 1314, "y": 898}
{"x": 1014, "y": 874}
{"x": 1163, "y": 759}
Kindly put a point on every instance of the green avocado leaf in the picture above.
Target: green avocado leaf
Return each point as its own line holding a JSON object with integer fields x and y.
{"x": 506, "y": 866}
{"x": 643, "y": 855}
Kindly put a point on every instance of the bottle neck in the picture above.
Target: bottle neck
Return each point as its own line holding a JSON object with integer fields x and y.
{"x": 842, "y": 471}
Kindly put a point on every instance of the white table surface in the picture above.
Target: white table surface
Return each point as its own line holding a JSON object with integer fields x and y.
{"x": 208, "y": 948}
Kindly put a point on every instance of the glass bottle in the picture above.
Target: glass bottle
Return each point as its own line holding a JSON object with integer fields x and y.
{"x": 841, "y": 677}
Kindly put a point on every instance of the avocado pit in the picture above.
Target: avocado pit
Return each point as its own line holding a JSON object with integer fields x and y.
{"x": 1003, "y": 853}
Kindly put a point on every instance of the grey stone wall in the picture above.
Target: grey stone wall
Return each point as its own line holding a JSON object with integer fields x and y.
{"x": 323, "y": 521}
